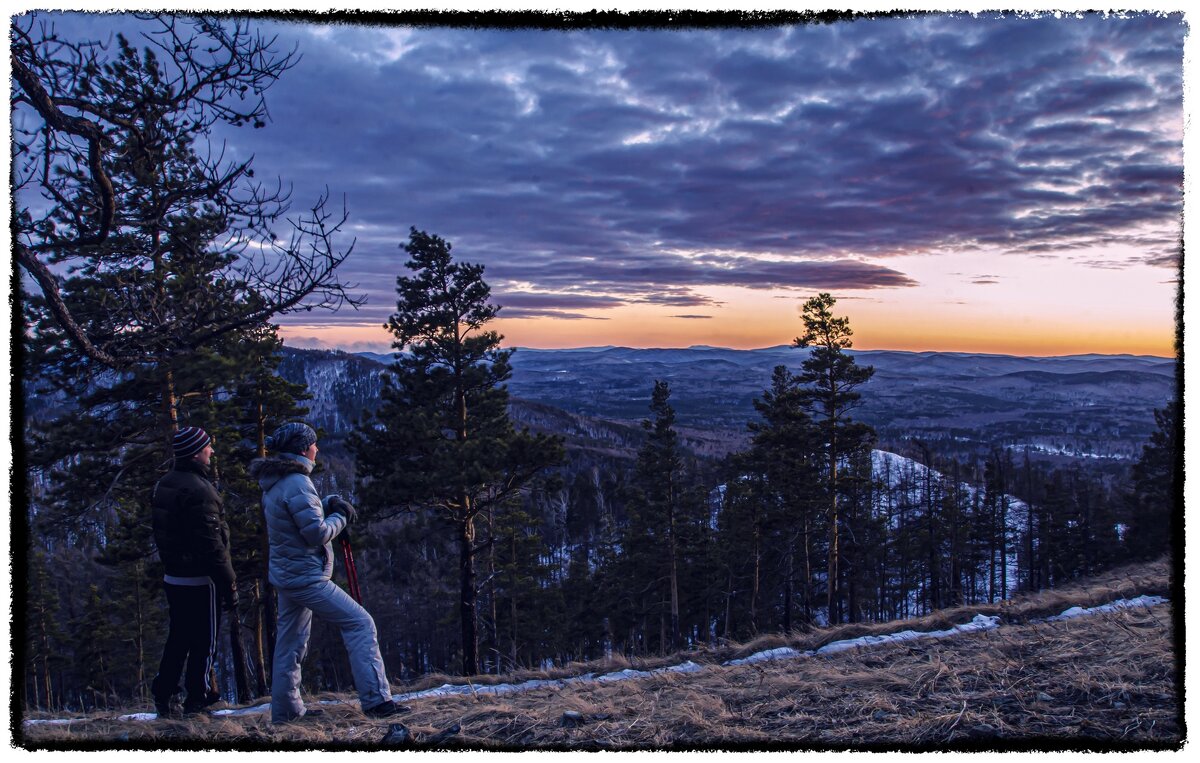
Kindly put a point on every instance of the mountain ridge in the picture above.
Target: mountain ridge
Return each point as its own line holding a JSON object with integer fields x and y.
{"x": 969, "y": 403}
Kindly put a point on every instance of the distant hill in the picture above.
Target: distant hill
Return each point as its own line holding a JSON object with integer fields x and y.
{"x": 1094, "y": 407}
{"x": 1078, "y": 406}
{"x": 1095, "y": 404}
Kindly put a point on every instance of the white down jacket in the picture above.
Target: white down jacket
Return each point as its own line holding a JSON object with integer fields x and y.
{"x": 299, "y": 533}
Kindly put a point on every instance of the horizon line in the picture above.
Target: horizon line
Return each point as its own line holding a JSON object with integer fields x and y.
{"x": 390, "y": 351}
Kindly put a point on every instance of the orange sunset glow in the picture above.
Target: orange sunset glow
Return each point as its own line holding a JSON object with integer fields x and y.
{"x": 1035, "y": 308}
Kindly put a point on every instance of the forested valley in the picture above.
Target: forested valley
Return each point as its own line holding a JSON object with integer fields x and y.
{"x": 488, "y": 541}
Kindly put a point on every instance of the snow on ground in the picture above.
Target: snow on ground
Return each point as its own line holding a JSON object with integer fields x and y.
{"x": 782, "y": 653}
{"x": 904, "y": 484}
{"x": 979, "y": 623}
{"x": 1119, "y": 604}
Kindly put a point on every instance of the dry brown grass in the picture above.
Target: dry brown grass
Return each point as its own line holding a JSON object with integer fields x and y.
{"x": 1104, "y": 680}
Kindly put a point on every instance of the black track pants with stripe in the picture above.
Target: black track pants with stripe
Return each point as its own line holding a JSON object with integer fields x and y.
{"x": 191, "y": 638}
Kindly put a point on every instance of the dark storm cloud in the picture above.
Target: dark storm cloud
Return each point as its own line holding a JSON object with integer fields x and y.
{"x": 597, "y": 168}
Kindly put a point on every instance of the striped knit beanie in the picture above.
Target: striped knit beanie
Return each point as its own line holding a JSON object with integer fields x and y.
{"x": 292, "y": 437}
{"x": 189, "y": 441}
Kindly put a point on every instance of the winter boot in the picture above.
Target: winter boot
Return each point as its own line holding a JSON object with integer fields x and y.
{"x": 385, "y": 709}
{"x": 309, "y": 714}
{"x": 201, "y": 703}
{"x": 166, "y": 708}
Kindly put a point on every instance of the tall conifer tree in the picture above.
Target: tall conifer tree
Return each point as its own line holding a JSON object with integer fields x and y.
{"x": 1154, "y": 502}
{"x": 442, "y": 440}
{"x": 832, "y": 378}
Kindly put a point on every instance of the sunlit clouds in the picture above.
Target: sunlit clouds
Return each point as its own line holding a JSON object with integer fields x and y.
{"x": 959, "y": 182}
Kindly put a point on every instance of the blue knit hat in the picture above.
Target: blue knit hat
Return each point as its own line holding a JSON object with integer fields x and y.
{"x": 189, "y": 441}
{"x": 292, "y": 437}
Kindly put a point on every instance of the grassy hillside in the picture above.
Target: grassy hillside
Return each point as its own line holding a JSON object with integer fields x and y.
{"x": 1106, "y": 680}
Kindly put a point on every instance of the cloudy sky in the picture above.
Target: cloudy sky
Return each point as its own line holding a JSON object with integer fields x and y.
{"x": 957, "y": 182}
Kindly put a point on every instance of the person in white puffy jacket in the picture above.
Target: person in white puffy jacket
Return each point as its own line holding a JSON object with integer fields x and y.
{"x": 300, "y": 531}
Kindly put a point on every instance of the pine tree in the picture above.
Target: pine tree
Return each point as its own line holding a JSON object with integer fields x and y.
{"x": 44, "y": 636}
{"x": 785, "y": 451}
{"x": 665, "y": 584}
{"x": 655, "y": 515}
{"x": 1154, "y": 501}
{"x": 743, "y": 545}
{"x": 442, "y": 439}
{"x": 833, "y": 378}
{"x": 108, "y": 169}
{"x": 529, "y": 604}
{"x": 106, "y": 455}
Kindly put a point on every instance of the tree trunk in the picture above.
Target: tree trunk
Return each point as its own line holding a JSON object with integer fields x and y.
{"x": 241, "y": 671}
{"x": 832, "y": 572}
{"x": 1003, "y": 530}
{"x": 139, "y": 633}
{"x": 729, "y": 602}
{"x": 513, "y": 629}
{"x": 260, "y": 648}
{"x": 493, "y": 646}
{"x": 169, "y": 412}
{"x": 264, "y": 632}
{"x": 47, "y": 679}
{"x": 673, "y": 552}
{"x": 467, "y": 596}
{"x": 756, "y": 572}
{"x": 788, "y": 583}
{"x": 808, "y": 572}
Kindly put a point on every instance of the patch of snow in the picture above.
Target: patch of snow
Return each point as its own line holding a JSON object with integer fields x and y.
{"x": 621, "y": 675}
{"x": 979, "y": 623}
{"x": 255, "y": 709}
{"x": 782, "y": 653}
{"x": 65, "y": 721}
{"x": 1119, "y": 604}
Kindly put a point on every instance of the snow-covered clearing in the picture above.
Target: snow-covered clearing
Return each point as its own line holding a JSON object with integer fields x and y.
{"x": 978, "y": 623}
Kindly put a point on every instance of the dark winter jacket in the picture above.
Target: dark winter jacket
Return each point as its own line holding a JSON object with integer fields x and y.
{"x": 299, "y": 532}
{"x": 189, "y": 525}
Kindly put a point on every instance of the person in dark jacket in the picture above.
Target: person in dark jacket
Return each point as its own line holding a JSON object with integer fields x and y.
{"x": 300, "y": 530}
{"x": 193, "y": 543}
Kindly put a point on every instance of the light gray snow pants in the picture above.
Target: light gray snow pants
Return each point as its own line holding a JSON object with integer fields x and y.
{"x": 294, "y": 625}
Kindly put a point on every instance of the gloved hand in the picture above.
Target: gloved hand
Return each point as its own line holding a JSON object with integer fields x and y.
{"x": 229, "y": 598}
{"x": 335, "y": 504}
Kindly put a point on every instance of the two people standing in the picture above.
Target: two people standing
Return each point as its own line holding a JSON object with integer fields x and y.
{"x": 193, "y": 541}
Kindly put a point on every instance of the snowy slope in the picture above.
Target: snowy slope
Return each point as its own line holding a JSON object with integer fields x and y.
{"x": 904, "y": 487}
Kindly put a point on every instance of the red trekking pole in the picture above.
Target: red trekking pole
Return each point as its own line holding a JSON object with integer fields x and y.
{"x": 351, "y": 569}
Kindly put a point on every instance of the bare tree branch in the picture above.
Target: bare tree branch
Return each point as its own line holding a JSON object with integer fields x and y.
{"x": 117, "y": 144}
